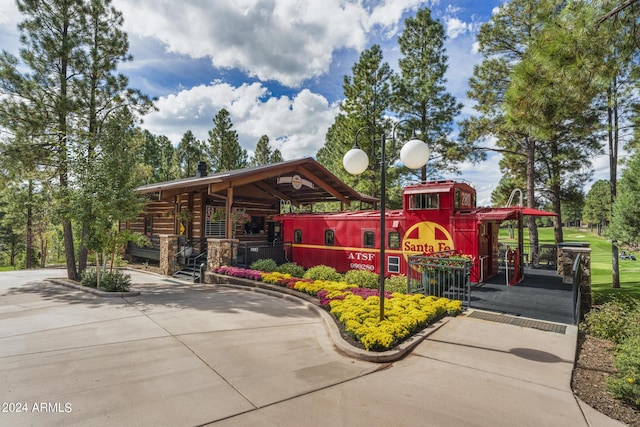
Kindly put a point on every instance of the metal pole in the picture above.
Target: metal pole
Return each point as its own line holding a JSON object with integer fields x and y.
{"x": 383, "y": 200}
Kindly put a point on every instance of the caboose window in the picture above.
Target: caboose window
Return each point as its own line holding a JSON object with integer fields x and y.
{"x": 463, "y": 199}
{"x": 329, "y": 237}
{"x": 394, "y": 240}
{"x": 393, "y": 264}
{"x": 369, "y": 239}
{"x": 297, "y": 236}
{"x": 424, "y": 201}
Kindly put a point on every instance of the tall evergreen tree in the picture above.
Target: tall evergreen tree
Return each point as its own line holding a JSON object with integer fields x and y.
{"x": 419, "y": 92}
{"x": 71, "y": 49}
{"x": 276, "y": 156}
{"x": 101, "y": 92}
{"x": 52, "y": 34}
{"x": 190, "y": 152}
{"x": 597, "y": 207}
{"x": 503, "y": 41}
{"x": 224, "y": 150}
{"x": 160, "y": 158}
{"x": 625, "y": 218}
{"x": 367, "y": 100}
{"x": 262, "y": 154}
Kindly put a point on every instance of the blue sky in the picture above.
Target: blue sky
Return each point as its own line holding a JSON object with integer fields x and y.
{"x": 277, "y": 65}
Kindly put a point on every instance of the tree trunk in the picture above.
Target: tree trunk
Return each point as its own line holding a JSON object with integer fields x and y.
{"x": 83, "y": 253}
{"x": 612, "y": 118}
{"x": 28, "y": 263}
{"x": 44, "y": 245}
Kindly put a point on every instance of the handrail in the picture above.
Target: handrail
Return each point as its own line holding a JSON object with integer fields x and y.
{"x": 195, "y": 263}
{"x": 577, "y": 291}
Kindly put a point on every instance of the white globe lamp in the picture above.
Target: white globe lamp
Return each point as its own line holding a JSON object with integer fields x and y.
{"x": 355, "y": 161}
{"x": 414, "y": 154}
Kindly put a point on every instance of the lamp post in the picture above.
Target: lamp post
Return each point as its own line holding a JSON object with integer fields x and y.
{"x": 414, "y": 154}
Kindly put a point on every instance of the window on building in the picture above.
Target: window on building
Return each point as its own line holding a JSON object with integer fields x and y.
{"x": 393, "y": 264}
{"x": 424, "y": 201}
{"x": 214, "y": 222}
{"x": 297, "y": 236}
{"x": 329, "y": 237}
{"x": 369, "y": 239}
{"x": 394, "y": 240}
{"x": 148, "y": 225}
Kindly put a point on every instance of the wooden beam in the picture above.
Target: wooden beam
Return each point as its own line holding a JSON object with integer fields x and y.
{"x": 320, "y": 183}
{"x": 249, "y": 179}
{"x": 229, "y": 222}
{"x": 273, "y": 192}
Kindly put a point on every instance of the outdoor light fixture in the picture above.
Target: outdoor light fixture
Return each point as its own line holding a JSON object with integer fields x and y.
{"x": 414, "y": 154}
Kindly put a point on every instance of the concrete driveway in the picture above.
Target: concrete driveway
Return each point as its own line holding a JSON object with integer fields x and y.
{"x": 188, "y": 355}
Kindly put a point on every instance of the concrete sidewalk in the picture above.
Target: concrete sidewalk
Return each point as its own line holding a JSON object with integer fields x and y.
{"x": 187, "y": 355}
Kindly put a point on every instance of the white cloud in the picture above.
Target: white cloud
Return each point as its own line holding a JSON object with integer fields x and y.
{"x": 268, "y": 39}
{"x": 9, "y": 13}
{"x": 296, "y": 126}
{"x": 9, "y": 18}
{"x": 455, "y": 27}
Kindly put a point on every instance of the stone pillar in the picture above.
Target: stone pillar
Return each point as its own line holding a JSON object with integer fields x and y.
{"x": 221, "y": 252}
{"x": 168, "y": 251}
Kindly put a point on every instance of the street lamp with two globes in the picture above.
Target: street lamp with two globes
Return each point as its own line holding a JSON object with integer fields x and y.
{"x": 414, "y": 154}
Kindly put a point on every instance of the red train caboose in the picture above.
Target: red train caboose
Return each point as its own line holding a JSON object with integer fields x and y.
{"x": 436, "y": 216}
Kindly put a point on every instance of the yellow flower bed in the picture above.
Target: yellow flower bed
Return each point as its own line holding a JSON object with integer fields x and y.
{"x": 274, "y": 277}
{"x": 314, "y": 287}
{"x": 404, "y": 314}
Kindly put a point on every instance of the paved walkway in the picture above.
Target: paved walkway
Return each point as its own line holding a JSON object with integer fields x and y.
{"x": 190, "y": 355}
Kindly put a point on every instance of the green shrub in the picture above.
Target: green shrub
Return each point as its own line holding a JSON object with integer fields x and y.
{"x": 362, "y": 278}
{"x": 322, "y": 272}
{"x": 626, "y": 384}
{"x": 613, "y": 321}
{"x": 267, "y": 265}
{"x": 396, "y": 284}
{"x": 291, "y": 268}
{"x": 89, "y": 278}
{"x": 110, "y": 281}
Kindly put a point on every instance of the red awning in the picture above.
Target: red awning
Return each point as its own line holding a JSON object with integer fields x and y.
{"x": 498, "y": 214}
{"x": 536, "y": 212}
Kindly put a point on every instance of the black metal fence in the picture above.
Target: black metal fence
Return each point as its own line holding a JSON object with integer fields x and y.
{"x": 248, "y": 252}
{"x": 442, "y": 275}
{"x": 577, "y": 292}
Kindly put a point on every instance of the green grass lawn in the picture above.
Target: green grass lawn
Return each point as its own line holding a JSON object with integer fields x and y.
{"x": 601, "y": 277}
{"x": 7, "y": 268}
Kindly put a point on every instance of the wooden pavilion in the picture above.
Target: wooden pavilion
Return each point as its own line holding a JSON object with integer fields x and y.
{"x": 237, "y": 204}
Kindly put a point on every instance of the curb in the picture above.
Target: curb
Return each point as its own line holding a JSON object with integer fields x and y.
{"x": 341, "y": 345}
{"x": 96, "y": 292}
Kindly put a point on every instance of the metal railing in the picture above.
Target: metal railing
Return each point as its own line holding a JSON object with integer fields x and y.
{"x": 440, "y": 275}
{"x": 577, "y": 292}
{"x": 249, "y": 252}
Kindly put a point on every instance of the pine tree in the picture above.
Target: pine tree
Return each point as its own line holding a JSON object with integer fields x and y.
{"x": 71, "y": 49}
{"x": 597, "y": 205}
{"x": 190, "y": 152}
{"x": 367, "y": 100}
{"x": 262, "y": 154}
{"x": 41, "y": 102}
{"x": 101, "y": 92}
{"x": 419, "y": 92}
{"x": 625, "y": 219}
{"x": 224, "y": 150}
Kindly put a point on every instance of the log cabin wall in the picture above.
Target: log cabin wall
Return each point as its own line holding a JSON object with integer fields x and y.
{"x": 158, "y": 218}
